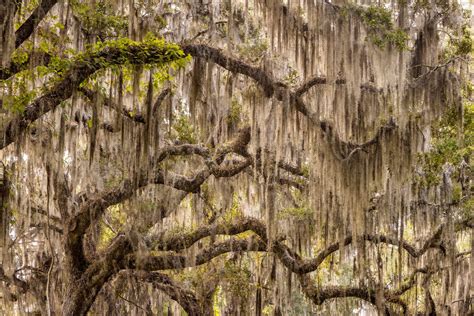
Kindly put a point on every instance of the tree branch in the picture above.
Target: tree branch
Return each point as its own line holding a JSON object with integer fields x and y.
{"x": 25, "y": 30}
{"x": 184, "y": 297}
{"x": 92, "y": 208}
{"x": 343, "y": 150}
{"x": 81, "y": 69}
{"x": 34, "y": 59}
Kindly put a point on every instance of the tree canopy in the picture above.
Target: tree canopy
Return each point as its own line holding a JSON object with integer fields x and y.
{"x": 246, "y": 157}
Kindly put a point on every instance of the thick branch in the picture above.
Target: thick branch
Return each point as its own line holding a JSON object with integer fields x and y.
{"x": 317, "y": 80}
{"x": 319, "y": 295}
{"x": 288, "y": 257}
{"x": 25, "y": 30}
{"x": 81, "y": 69}
{"x": 184, "y": 297}
{"x": 343, "y": 150}
{"x": 176, "y": 261}
{"x": 179, "y": 242}
{"x": 94, "y": 207}
{"x": 301, "y": 266}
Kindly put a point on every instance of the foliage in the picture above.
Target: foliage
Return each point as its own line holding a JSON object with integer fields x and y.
{"x": 235, "y": 210}
{"x": 126, "y": 51}
{"x": 235, "y": 113}
{"x": 237, "y": 280}
{"x": 292, "y": 77}
{"x": 95, "y": 20}
{"x": 460, "y": 43}
{"x": 380, "y": 27}
{"x": 300, "y": 212}
{"x": 184, "y": 130}
{"x": 106, "y": 233}
{"x": 451, "y": 144}
{"x": 17, "y": 103}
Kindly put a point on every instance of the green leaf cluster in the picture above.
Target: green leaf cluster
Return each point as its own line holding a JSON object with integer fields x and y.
{"x": 237, "y": 280}
{"x": 451, "y": 143}
{"x": 184, "y": 130}
{"x": 97, "y": 20}
{"x": 460, "y": 43}
{"x": 380, "y": 26}
{"x": 235, "y": 113}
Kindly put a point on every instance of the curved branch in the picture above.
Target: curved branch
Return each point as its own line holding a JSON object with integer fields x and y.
{"x": 176, "y": 261}
{"x": 343, "y": 150}
{"x": 184, "y": 297}
{"x": 161, "y": 97}
{"x": 303, "y": 266}
{"x": 83, "y": 67}
{"x": 92, "y": 208}
{"x": 288, "y": 257}
{"x": 311, "y": 82}
{"x": 319, "y": 295}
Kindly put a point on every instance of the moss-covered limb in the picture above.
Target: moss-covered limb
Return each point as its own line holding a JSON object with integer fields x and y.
{"x": 236, "y": 145}
{"x": 289, "y": 258}
{"x": 321, "y": 294}
{"x": 177, "y": 261}
{"x": 27, "y": 28}
{"x": 232, "y": 64}
{"x": 343, "y": 150}
{"x": 432, "y": 242}
{"x": 409, "y": 282}
{"x": 177, "y": 242}
{"x": 318, "y": 295}
{"x": 317, "y": 80}
{"x": 284, "y": 165}
{"x": 182, "y": 150}
{"x": 120, "y": 252}
{"x": 33, "y": 59}
{"x": 84, "y": 287}
{"x": 184, "y": 297}
{"x": 294, "y": 176}
{"x": 119, "y": 255}
{"x": 92, "y": 208}
{"x": 84, "y": 65}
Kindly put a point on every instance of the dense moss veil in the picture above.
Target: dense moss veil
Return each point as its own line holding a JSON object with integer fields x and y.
{"x": 257, "y": 157}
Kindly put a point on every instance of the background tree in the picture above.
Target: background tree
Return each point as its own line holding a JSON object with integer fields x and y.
{"x": 236, "y": 157}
